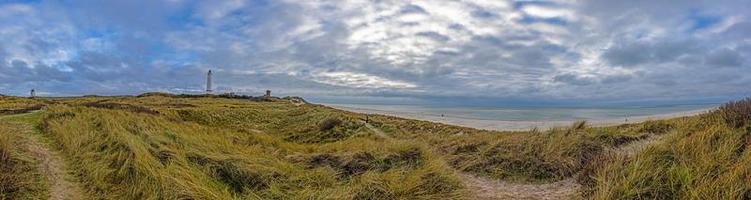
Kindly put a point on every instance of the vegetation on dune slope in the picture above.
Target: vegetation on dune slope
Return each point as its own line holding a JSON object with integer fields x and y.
{"x": 160, "y": 146}
{"x": 532, "y": 156}
{"x": 19, "y": 178}
{"x": 705, "y": 157}
{"x": 136, "y": 155}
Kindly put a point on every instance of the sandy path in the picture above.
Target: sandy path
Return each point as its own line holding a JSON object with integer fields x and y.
{"x": 485, "y": 188}
{"x": 51, "y": 165}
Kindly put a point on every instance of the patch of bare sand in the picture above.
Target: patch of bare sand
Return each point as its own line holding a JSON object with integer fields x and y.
{"x": 485, "y": 188}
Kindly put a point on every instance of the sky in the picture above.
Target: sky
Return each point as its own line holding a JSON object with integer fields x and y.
{"x": 471, "y": 51}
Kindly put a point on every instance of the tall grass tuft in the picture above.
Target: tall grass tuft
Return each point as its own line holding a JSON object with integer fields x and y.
{"x": 737, "y": 113}
{"x": 579, "y": 125}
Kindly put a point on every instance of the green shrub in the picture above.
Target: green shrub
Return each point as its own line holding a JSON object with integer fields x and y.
{"x": 329, "y": 124}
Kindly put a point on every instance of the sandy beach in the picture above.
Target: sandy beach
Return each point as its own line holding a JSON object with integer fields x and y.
{"x": 501, "y": 125}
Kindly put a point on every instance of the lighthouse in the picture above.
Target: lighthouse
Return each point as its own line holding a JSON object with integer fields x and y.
{"x": 208, "y": 83}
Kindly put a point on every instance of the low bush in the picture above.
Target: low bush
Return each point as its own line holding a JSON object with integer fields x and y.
{"x": 329, "y": 124}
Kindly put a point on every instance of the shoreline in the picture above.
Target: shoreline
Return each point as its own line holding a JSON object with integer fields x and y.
{"x": 506, "y": 125}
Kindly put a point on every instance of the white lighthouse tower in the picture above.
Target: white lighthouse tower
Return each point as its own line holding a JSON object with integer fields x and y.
{"x": 208, "y": 83}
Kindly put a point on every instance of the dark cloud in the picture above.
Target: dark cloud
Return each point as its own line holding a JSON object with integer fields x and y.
{"x": 724, "y": 58}
{"x": 630, "y": 54}
{"x": 616, "y": 78}
{"x": 413, "y": 9}
{"x": 481, "y": 13}
{"x": 573, "y": 79}
{"x": 740, "y": 30}
{"x": 435, "y": 36}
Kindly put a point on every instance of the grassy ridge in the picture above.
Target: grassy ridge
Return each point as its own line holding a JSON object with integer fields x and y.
{"x": 214, "y": 152}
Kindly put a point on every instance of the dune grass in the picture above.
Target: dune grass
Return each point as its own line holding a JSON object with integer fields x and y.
{"x": 19, "y": 176}
{"x": 528, "y": 156}
{"x": 159, "y": 146}
{"x": 703, "y": 157}
{"x": 213, "y": 152}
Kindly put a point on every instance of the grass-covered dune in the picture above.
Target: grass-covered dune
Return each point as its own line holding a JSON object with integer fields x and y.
{"x": 159, "y": 146}
{"x": 703, "y": 157}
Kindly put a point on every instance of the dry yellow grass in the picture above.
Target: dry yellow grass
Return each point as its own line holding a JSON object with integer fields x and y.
{"x": 161, "y": 146}
{"x": 19, "y": 176}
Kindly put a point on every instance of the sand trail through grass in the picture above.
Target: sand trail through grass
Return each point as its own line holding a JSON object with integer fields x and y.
{"x": 54, "y": 169}
{"x": 486, "y": 188}
{"x": 50, "y": 164}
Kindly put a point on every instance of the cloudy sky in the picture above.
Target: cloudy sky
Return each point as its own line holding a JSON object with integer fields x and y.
{"x": 572, "y": 50}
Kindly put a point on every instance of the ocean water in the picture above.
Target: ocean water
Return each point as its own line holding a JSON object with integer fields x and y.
{"x": 531, "y": 113}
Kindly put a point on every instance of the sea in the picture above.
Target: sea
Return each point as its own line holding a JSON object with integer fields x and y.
{"x": 532, "y": 113}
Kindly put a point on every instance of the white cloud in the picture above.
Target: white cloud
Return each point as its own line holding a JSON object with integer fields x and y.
{"x": 548, "y": 12}
{"x": 358, "y": 80}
